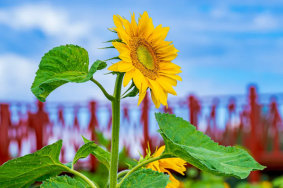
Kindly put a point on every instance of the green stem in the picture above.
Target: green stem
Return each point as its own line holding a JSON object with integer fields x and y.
{"x": 109, "y": 97}
{"x": 115, "y": 131}
{"x": 139, "y": 166}
{"x": 89, "y": 182}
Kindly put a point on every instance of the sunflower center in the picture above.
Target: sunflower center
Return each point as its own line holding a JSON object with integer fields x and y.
{"x": 144, "y": 58}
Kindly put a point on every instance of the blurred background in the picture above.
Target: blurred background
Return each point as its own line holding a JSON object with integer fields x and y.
{"x": 232, "y": 89}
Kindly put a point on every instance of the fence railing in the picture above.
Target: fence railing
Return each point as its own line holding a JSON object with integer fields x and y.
{"x": 252, "y": 121}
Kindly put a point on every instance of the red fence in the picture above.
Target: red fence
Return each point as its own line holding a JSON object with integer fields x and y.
{"x": 253, "y": 121}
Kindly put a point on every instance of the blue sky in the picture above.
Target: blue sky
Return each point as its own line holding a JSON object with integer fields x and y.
{"x": 224, "y": 45}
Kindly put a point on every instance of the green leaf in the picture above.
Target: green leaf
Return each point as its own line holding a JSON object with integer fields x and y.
{"x": 101, "y": 139}
{"x": 62, "y": 182}
{"x": 39, "y": 166}
{"x": 69, "y": 164}
{"x": 184, "y": 141}
{"x": 59, "y": 66}
{"x": 201, "y": 184}
{"x": 278, "y": 182}
{"x": 84, "y": 151}
{"x": 146, "y": 178}
{"x": 102, "y": 65}
{"x": 102, "y": 155}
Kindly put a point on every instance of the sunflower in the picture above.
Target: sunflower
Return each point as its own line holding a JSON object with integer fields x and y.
{"x": 163, "y": 165}
{"x": 146, "y": 57}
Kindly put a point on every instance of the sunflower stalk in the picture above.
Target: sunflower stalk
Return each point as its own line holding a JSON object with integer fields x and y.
{"x": 115, "y": 131}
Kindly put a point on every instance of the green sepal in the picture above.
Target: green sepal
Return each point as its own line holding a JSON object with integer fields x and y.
{"x": 114, "y": 40}
{"x": 102, "y": 155}
{"x": 113, "y": 58}
{"x": 106, "y": 47}
{"x": 182, "y": 140}
{"x": 134, "y": 92}
{"x": 63, "y": 64}
{"x": 62, "y": 182}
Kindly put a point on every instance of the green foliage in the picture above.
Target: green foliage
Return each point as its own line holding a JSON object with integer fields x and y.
{"x": 102, "y": 140}
{"x": 134, "y": 92}
{"x": 146, "y": 178}
{"x": 102, "y": 65}
{"x": 202, "y": 184}
{"x": 278, "y": 182}
{"x": 62, "y": 182}
{"x": 59, "y": 66}
{"x": 209, "y": 181}
{"x": 84, "y": 151}
{"x": 41, "y": 165}
{"x": 184, "y": 141}
{"x": 102, "y": 155}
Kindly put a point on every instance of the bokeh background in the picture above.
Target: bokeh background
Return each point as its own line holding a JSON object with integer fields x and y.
{"x": 226, "y": 48}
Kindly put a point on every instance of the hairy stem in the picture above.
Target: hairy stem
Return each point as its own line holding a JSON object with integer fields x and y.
{"x": 139, "y": 166}
{"x": 115, "y": 131}
{"x": 109, "y": 97}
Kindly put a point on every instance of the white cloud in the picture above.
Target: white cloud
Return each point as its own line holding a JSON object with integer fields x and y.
{"x": 16, "y": 76}
{"x": 50, "y": 20}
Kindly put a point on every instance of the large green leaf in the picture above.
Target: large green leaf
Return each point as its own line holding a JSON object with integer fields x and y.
{"x": 184, "y": 141}
{"x": 146, "y": 178}
{"x": 102, "y": 155}
{"x": 63, "y": 64}
{"x": 62, "y": 182}
{"x": 23, "y": 171}
{"x": 84, "y": 151}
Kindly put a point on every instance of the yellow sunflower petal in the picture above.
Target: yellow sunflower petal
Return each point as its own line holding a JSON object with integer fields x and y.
{"x": 141, "y": 97}
{"x": 170, "y": 57}
{"x": 155, "y": 33}
{"x": 128, "y": 76}
{"x": 138, "y": 78}
{"x": 173, "y": 76}
{"x": 126, "y": 57}
{"x": 121, "y": 47}
{"x": 166, "y": 86}
{"x": 123, "y": 35}
{"x": 134, "y": 25}
{"x": 171, "y": 71}
{"x": 160, "y": 36}
{"x": 143, "y": 23}
{"x": 158, "y": 92}
{"x": 149, "y": 29}
{"x": 174, "y": 182}
{"x": 168, "y": 49}
{"x": 125, "y": 66}
{"x": 159, "y": 151}
{"x": 168, "y": 65}
{"x": 154, "y": 100}
{"x": 128, "y": 26}
{"x": 115, "y": 66}
{"x": 117, "y": 21}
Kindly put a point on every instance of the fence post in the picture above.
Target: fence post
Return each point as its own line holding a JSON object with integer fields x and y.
{"x": 5, "y": 122}
{"x": 93, "y": 124}
{"x": 254, "y": 116}
{"x": 194, "y": 110}
{"x": 276, "y": 120}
